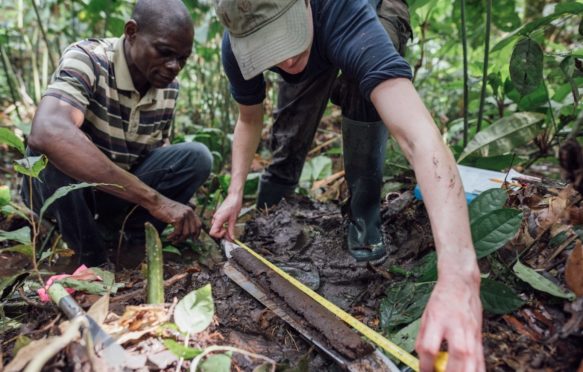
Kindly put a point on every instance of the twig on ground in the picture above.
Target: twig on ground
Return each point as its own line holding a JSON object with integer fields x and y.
{"x": 139, "y": 292}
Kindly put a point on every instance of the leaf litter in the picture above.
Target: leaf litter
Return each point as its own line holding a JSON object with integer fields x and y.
{"x": 525, "y": 328}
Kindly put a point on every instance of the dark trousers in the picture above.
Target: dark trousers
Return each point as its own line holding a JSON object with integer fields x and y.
{"x": 89, "y": 219}
{"x": 300, "y": 106}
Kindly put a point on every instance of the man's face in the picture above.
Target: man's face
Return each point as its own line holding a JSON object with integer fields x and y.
{"x": 158, "y": 57}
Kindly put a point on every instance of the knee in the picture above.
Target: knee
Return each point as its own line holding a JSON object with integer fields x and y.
{"x": 197, "y": 155}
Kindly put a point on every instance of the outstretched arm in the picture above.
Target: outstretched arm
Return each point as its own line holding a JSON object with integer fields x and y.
{"x": 245, "y": 142}
{"x": 454, "y": 310}
{"x": 56, "y": 133}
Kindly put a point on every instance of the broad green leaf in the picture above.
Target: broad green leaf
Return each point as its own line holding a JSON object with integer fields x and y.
{"x": 505, "y": 135}
{"x": 426, "y": 269}
{"x": 9, "y": 138}
{"x": 195, "y": 311}
{"x": 539, "y": 282}
{"x": 252, "y": 183}
{"x": 491, "y": 231}
{"x": 406, "y": 337}
{"x": 525, "y": 30}
{"x": 21, "y": 235}
{"x": 488, "y": 201}
{"x": 216, "y": 363}
{"x": 107, "y": 277}
{"x": 180, "y": 350}
{"x": 31, "y": 166}
{"x": 505, "y": 18}
{"x": 5, "y": 197}
{"x": 497, "y": 298}
{"x": 171, "y": 249}
{"x": 62, "y": 191}
{"x": 317, "y": 168}
{"x": 526, "y": 66}
{"x": 24, "y": 249}
{"x": 92, "y": 287}
{"x": 404, "y": 303}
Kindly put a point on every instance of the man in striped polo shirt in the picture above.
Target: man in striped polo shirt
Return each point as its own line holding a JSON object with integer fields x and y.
{"x": 105, "y": 118}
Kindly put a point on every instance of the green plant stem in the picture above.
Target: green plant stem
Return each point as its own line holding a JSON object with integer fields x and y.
{"x": 10, "y": 86}
{"x": 465, "y": 57}
{"x": 485, "y": 67}
{"x": 155, "y": 291}
{"x": 42, "y": 30}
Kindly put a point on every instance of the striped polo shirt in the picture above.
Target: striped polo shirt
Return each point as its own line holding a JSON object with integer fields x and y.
{"x": 93, "y": 76}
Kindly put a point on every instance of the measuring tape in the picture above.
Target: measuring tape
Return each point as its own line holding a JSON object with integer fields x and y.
{"x": 371, "y": 334}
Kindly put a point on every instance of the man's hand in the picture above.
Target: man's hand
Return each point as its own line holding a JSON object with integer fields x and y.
{"x": 226, "y": 214}
{"x": 454, "y": 313}
{"x": 186, "y": 223}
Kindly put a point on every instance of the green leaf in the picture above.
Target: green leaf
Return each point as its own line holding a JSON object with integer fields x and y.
{"x": 581, "y": 27}
{"x": 9, "y": 283}
{"x": 92, "y": 287}
{"x": 491, "y": 231}
{"x": 24, "y": 249}
{"x": 180, "y": 350}
{"x": 426, "y": 269}
{"x": 9, "y": 138}
{"x": 216, "y": 363}
{"x": 31, "y": 166}
{"x": 107, "y": 277}
{"x": 539, "y": 282}
{"x": 62, "y": 191}
{"x": 406, "y": 337}
{"x": 497, "y": 298}
{"x": 195, "y": 311}
{"x": 171, "y": 249}
{"x": 21, "y": 235}
{"x": 252, "y": 183}
{"x": 5, "y": 197}
{"x": 488, "y": 201}
{"x": 506, "y": 17}
{"x": 505, "y": 135}
{"x": 525, "y": 30}
{"x": 526, "y": 66}
{"x": 404, "y": 303}
{"x": 321, "y": 167}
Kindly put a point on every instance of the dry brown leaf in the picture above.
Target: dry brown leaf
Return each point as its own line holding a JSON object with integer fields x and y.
{"x": 99, "y": 309}
{"x": 574, "y": 270}
{"x": 27, "y": 353}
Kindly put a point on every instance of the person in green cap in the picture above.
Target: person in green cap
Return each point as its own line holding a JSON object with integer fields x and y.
{"x": 308, "y": 42}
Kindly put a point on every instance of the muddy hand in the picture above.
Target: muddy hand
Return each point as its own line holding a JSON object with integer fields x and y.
{"x": 186, "y": 223}
{"x": 223, "y": 223}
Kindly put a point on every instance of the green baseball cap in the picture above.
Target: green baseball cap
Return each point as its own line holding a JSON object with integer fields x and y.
{"x": 264, "y": 33}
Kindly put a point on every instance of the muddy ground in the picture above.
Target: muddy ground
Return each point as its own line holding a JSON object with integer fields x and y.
{"x": 306, "y": 239}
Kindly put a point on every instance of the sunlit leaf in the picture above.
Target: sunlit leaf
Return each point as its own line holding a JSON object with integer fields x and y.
{"x": 62, "y": 191}
{"x": 526, "y": 66}
{"x": 24, "y": 249}
{"x": 9, "y": 138}
{"x": 31, "y": 166}
{"x": 488, "y": 201}
{"x": 172, "y": 249}
{"x": 497, "y": 298}
{"x": 5, "y": 197}
{"x": 21, "y": 235}
{"x": 195, "y": 311}
{"x": 406, "y": 337}
{"x": 180, "y": 350}
{"x": 525, "y": 30}
{"x": 505, "y": 135}
{"x": 539, "y": 282}
{"x": 491, "y": 231}
{"x": 216, "y": 363}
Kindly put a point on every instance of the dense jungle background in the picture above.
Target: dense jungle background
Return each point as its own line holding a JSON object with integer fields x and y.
{"x": 503, "y": 81}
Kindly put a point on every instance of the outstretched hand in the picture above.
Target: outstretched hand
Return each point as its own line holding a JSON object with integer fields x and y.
{"x": 186, "y": 223}
{"x": 223, "y": 223}
{"x": 454, "y": 314}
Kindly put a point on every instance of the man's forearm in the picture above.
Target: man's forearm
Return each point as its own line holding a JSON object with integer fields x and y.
{"x": 68, "y": 149}
{"x": 408, "y": 120}
{"x": 245, "y": 142}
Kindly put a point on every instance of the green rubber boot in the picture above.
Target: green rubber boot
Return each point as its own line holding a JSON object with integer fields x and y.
{"x": 364, "y": 153}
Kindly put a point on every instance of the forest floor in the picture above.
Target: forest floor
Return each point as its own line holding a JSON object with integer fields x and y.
{"x": 306, "y": 238}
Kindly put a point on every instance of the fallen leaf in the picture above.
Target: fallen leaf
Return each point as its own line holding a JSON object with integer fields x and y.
{"x": 99, "y": 309}
{"x": 574, "y": 270}
{"x": 27, "y": 353}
